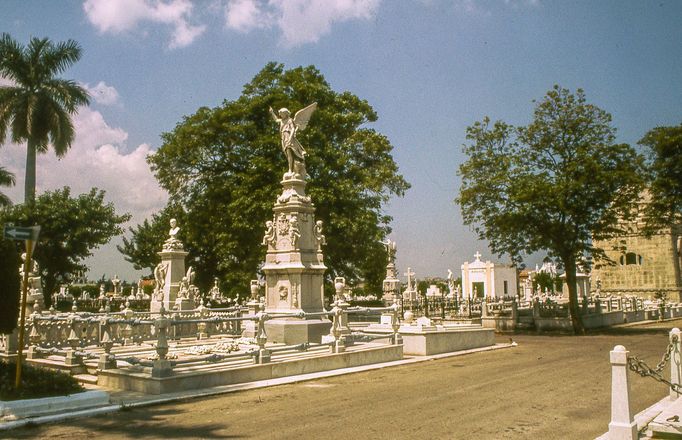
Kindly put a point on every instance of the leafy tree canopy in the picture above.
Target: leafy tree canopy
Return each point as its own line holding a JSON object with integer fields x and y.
{"x": 70, "y": 228}
{"x": 664, "y": 147}
{"x": 554, "y": 185}
{"x": 223, "y": 167}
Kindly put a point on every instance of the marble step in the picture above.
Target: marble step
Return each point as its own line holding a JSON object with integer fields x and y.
{"x": 668, "y": 424}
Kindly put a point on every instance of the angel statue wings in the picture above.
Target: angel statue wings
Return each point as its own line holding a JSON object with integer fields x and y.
{"x": 288, "y": 127}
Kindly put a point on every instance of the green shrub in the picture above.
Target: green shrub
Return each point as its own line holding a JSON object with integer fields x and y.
{"x": 35, "y": 382}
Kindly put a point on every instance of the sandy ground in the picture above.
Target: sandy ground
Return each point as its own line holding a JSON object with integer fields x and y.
{"x": 549, "y": 387}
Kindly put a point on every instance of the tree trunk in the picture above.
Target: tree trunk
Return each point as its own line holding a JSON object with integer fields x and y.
{"x": 576, "y": 319}
{"x": 30, "y": 183}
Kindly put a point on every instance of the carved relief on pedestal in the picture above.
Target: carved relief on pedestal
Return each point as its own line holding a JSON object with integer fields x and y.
{"x": 282, "y": 225}
{"x": 291, "y": 195}
{"x": 270, "y": 237}
{"x": 295, "y": 293}
{"x": 283, "y": 293}
{"x": 294, "y": 232}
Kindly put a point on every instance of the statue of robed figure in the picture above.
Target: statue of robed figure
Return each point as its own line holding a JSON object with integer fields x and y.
{"x": 288, "y": 128}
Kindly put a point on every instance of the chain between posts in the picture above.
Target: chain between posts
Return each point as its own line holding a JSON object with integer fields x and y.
{"x": 640, "y": 367}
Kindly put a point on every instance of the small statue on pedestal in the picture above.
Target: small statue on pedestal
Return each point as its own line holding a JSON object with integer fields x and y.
{"x": 172, "y": 243}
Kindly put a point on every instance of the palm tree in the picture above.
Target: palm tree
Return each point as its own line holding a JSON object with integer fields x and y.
{"x": 6, "y": 179}
{"x": 38, "y": 107}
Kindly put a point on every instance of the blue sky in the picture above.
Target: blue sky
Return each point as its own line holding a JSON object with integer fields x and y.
{"x": 429, "y": 68}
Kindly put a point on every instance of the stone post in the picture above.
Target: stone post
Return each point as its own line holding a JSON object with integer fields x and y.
{"x": 127, "y": 328}
{"x": 161, "y": 366}
{"x": 395, "y": 325}
{"x": 339, "y": 287}
{"x": 264, "y": 355}
{"x": 11, "y": 342}
{"x": 106, "y": 359}
{"x": 339, "y": 345}
{"x": 484, "y": 309}
{"x": 70, "y": 359}
{"x": 33, "y": 336}
{"x": 254, "y": 305}
{"x": 623, "y": 425}
{"x": 202, "y": 327}
{"x": 675, "y": 362}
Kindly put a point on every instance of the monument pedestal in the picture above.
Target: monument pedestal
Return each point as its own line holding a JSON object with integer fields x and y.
{"x": 173, "y": 266}
{"x": 294, "y": 267}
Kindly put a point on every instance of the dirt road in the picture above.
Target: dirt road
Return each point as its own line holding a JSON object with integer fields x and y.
{"x": 549, "y": 387}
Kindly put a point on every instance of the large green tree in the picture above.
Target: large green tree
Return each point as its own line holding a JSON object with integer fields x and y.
{"x": 37, "y": 109}
{"x": 223, "y": 166}
{"x": 71, "y": 228}
{"x": 664, "y": 148}
{"x": 6, "y": 179}
{"x": 554, "y": 185}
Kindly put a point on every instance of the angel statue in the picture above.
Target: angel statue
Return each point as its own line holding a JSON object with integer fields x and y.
{"x": 288, "y": 128}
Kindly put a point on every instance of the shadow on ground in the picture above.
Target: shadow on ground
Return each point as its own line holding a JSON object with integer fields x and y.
{"x": 149, "y": 422}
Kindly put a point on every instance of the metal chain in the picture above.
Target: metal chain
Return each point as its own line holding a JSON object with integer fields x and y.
{"x": 640, "y": 367}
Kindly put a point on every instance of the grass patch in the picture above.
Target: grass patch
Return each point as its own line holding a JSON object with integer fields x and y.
{"x": 35, "y": 382}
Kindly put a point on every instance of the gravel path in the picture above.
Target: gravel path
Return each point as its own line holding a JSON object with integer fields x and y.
{"x": 549, "y": 387}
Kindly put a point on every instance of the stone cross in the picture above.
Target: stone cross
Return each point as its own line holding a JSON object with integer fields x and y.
{"x": 409, "y": 274}
{"x": 477, "y": 255}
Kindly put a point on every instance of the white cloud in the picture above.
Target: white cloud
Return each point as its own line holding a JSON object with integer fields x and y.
{"x": 245, "y": 15}
{"x": 102, "y": 93}
{"x": 300, "y": 21}
{"x": 118, "y": 16}
{"x": 97, "y": 158}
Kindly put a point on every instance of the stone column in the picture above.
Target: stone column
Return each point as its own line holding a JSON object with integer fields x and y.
{"x": 294, "y": 266}
{"x": 623, "y": 425}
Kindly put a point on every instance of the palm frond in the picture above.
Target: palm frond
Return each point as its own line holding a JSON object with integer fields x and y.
{"x": 13, "y": 63}
{"x": 6, "y": 178}
{"x": 68, "y": 94}
{"x": 61, "y": 132}
{"x": 58, "y": 57}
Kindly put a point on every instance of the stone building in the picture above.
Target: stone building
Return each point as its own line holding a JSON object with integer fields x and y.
{"x": 643, "y": 265}
{"x": 488, "y": 280}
